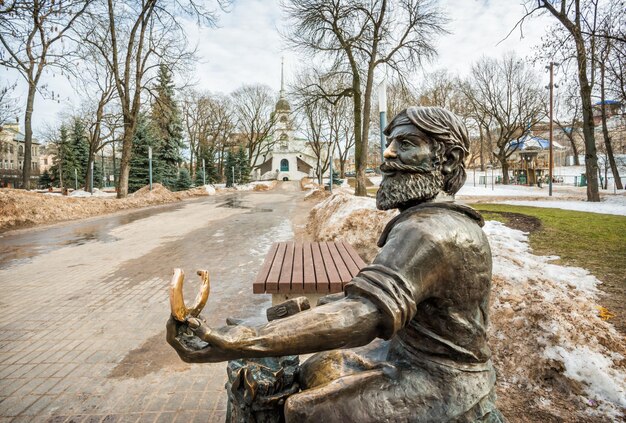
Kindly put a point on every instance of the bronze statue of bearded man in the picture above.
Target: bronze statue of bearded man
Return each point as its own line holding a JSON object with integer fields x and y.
{"x": 426, "y": 292}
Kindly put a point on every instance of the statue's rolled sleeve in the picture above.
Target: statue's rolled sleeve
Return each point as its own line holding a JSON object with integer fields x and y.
{"x": 398, "y": 278}
{"x": 389, "y": 291}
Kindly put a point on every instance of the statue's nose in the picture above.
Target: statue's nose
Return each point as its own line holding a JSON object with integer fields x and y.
{"x": 390, "y": 151}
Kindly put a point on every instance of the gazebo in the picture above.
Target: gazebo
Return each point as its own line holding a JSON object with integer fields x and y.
{"x": 530, "y": 158}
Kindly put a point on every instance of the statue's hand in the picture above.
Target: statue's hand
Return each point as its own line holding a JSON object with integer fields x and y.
{"x": 206, "y": 345}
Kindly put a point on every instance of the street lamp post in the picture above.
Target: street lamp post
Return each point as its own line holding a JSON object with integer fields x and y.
{"x": 75, "y": 179}
{"x": 91, "y": 181}
{"x": 382, "y": 109}
{"x": 150, "y": 165}
{"x": 203, "y": 173}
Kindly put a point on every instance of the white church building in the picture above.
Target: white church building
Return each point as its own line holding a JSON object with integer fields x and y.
{"x": 290, "y": 158}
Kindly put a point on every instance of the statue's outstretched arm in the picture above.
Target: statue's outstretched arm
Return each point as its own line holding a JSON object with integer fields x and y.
{"x": 351, "y": 322}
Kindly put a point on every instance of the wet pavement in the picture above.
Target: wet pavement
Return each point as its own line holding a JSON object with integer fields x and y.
{"x": 84, "y": 305}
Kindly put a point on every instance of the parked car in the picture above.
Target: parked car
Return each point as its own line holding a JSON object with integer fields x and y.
{"x": 350, "y": 174}
{"x": 370, "y": 171}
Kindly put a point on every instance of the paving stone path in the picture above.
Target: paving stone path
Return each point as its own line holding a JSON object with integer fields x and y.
{"x": 83, "y": 308}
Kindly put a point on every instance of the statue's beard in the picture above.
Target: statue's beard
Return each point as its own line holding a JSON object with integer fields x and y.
{"x": 408, "y": 186}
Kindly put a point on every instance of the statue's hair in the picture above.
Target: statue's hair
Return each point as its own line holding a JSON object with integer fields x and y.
{"x": 447, "y": 130}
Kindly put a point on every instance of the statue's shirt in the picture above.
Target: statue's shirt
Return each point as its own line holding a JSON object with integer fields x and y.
{"x": 431, "y": 281}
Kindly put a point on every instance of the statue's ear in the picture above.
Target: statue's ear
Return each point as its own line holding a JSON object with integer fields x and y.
{"x": 453, "y": 160}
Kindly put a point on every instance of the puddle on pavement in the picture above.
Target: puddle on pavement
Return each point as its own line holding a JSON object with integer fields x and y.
{"x": 20, "y": 248}
{"x": 236, "y": 202}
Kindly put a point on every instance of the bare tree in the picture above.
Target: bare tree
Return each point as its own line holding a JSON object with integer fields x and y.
{"x": 568, "y": 117}
{"x": 9, "y": 107}
{"x": 607, "y": 40}
{"x": 507, "y": 102}
{"x": 134, "y": 37}
{"x": 357, "y": 37}
{"x": 256, "y": 121}
{"x": 30, "y": 37}
{"x": 579, "y": 19}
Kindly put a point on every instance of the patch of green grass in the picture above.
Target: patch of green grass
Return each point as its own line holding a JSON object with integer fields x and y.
{"x": 596, "y": 242}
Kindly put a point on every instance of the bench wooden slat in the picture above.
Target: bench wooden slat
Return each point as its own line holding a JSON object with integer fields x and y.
{"x": 297, "y": 278}
{"x": 271, "y": 285}
{"x": 344, "y": 273}
{"x": 284, "y": 280}
{"x": 355, "y": 256}
{"x": 309, "y": 270}
{"x": 348, "y": 260}
{"x": 321, "y": 278}
{"x": 331, "y": 268}
{"x": 258, "y": 287}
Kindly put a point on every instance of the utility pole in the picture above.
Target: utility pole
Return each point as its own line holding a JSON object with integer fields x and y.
{"x": 551, "y": 87}
{"x": 150, "y": 165}
{"x": 382, "y": 109}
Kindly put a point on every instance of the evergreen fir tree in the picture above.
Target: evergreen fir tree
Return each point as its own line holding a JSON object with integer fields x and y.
{"x": 45, "y": 180}
{"x": 199, "y": 177}
{"x": 64, "y": 162}
{"x": 80, "y": 149}
{"x": 139, "y": 175}
{"x": 208, "y": 154}
{"x": 243, "y": 167}
{"x": 167, "y": 127}
{"x": 231, "y": 163}
{"x": 336, "y": 179}
{"x": 97, "y": 173}
{"x": 184, "y": 180}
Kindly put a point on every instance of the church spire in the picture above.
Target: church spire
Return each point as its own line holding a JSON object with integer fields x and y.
{"x": 282, "y": 77}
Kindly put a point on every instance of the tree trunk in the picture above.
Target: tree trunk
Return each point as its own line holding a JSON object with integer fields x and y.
{"x": 605, "y": 133}
{"x": 115, "y": 178}
{"x": 505, "y": 172}
{"x": 192, "y": 167}
{"x": 127, "y": 145}
{"x": 360, "y": 144}
{"x": 28, "y": 136}
{"x": 502, "y": 158}
{"x": 482, "y": 143}
{"x": 591, "y": 157}
{"x": 574, "y": 148}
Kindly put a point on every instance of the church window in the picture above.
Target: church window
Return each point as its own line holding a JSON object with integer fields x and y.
{"x": 284, "y": 165}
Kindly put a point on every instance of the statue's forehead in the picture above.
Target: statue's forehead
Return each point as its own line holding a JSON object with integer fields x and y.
{"x": 407, "y": 129}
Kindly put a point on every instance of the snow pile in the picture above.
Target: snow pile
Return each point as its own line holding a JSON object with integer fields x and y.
{"x": 24, "y": 208}
{"x": 546, "y": 333}
{"x": 316, "y": 193}
{"x": 353, "y": 219}
{"x": 611, "y": 204}
{"x": 210, "y": 189}
{"x": 256, "y": 186}
{"x": 81, "y": 193}
{"x": 556, "y": 359}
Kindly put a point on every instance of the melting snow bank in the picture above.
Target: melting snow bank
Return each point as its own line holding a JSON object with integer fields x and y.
{"x": 545, "y": 325}
{"x": 556, "y": 359}
{"x": 611, "y": 204}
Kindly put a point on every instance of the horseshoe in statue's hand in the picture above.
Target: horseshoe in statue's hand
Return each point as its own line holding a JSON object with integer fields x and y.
{"x": 178, "y": 307}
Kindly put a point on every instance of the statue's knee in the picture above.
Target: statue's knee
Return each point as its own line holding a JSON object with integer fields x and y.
{"x": 294, "y": 410}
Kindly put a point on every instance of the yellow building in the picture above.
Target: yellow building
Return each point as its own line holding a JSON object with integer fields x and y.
{"x": 12, "y": 156}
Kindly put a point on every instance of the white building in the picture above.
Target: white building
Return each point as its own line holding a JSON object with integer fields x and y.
{"x": 291, "y": 158}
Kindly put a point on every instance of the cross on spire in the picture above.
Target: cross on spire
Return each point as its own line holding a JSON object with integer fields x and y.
{"x": 282, "y": 76}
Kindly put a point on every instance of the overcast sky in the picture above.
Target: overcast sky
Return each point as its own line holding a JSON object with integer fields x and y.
{"x": 247, "y": 48}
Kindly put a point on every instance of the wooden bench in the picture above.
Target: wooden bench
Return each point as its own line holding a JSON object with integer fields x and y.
{"x": 311, "y": 269}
